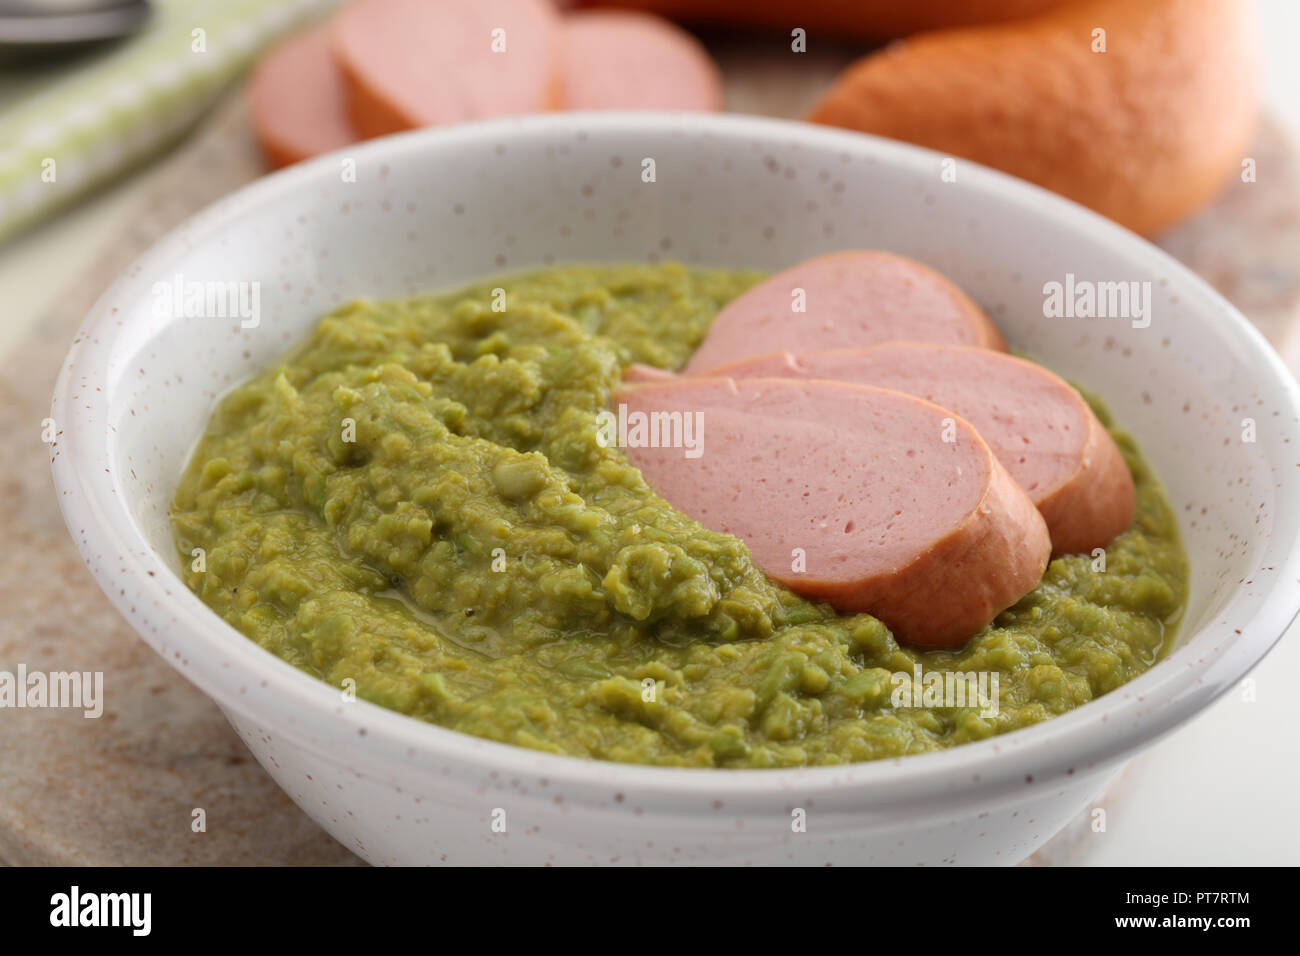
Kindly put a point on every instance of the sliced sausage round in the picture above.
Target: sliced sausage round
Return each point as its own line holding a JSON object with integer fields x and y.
{"x": 1040, "y": 428}
{"x": 867, "y": 498}
{"x": 411, "y": 63}
{"x": 844, "y": 300}
{"x": 298, "y": 102}
{"x": 619, "y": 59}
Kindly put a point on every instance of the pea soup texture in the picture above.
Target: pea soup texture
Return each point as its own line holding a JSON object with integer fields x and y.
{"x": 415, "y": 498}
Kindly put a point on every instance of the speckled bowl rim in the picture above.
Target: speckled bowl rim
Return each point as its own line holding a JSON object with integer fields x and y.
{"x": 259, "y": 687}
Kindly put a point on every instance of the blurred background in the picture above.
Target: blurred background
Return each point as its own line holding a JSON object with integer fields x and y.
{"x": 119, "y": 118}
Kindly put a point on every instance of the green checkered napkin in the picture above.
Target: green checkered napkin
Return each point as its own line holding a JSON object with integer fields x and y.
{"x": 97, "y": 115}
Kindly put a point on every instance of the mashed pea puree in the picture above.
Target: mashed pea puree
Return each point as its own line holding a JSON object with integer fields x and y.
{"x": 415, "y": 498}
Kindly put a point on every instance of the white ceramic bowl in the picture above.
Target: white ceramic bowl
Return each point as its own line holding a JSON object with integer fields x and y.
{"x": 435, "y": 209}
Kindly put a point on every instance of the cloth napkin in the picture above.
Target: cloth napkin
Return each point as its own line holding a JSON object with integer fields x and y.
{"x": 70, "y": 124}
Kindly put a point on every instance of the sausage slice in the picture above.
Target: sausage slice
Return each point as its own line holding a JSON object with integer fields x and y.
{"x": 844, "y": 300}
{"x": 411, "y": 63}
{"x": 298, "y": 102}
{"x": 1039, "y": 427}
{"x": 869, "y": 499}
{"x": 619, "y": 59}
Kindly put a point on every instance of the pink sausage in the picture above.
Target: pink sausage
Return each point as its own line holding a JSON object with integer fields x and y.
{"x": 931, "y": 536}
{"x": 298, "y": 102}
{"x": 637, "y": 372}
{"x": 1039, "y": 427}
{"x": 619, "y": 59}
{"x": 411, "y": 63}
{"x": 844, "y": 300}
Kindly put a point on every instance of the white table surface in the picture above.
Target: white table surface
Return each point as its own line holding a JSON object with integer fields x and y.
{"x": 1219, "y": 791}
